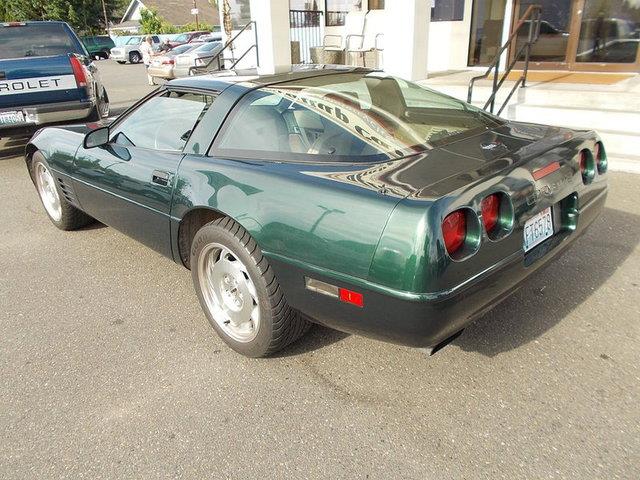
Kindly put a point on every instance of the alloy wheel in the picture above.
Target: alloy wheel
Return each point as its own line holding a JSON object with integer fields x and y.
{"x": 48, "y": 192}
{"x": 229, "y": 293}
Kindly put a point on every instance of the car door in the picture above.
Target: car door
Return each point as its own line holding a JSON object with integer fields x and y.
{"x": 128, "y": 183}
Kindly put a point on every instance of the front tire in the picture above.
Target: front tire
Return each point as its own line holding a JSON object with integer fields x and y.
{"x": 61, "y": 213}
{"x": 134, "y": 57}
{"x": 239, "y": 293}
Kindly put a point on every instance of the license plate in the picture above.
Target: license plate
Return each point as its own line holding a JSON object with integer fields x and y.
{"x": 10, "y": 118}
{"x": 537, "y": 229}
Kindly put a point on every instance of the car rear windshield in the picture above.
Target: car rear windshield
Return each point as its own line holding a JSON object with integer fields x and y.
{"x": 35, "y": 40}
{"x": 349, "y": 116}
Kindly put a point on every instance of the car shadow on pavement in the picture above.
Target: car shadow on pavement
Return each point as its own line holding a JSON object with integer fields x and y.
{"x": 316, "y": 338}
{"x": 552, "y": 293}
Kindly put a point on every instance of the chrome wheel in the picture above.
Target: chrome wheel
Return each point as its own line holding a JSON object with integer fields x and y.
{"x": 48, "y": 192}
{"x": 103, "y": 106}
{"x": 229, "y": 293}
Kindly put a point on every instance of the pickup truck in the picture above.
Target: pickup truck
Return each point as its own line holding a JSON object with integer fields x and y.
{"x": 46, "y": 77}
{"x": 130, "y": 51}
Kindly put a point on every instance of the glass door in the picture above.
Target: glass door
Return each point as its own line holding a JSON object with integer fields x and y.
{"x": 556, "y": 29}
{"x": 583, "y": 35}
{"x": 609, "y": 33}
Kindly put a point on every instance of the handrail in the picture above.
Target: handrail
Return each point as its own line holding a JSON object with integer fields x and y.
{"x": 229, "y": 44}
{"x": 534, "y": 15}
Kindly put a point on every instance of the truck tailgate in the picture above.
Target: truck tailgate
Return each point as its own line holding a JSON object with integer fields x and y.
{"x": 37, "y": 80}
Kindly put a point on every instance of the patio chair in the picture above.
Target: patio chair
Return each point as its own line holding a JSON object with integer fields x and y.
{"x": 370, "y": 46}
{"x": 333, "y": 46}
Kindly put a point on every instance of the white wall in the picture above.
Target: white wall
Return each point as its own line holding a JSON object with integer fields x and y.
{"x": 449, "y": 43}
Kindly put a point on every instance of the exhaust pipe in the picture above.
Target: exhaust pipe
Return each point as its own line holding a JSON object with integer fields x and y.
{"x": 436, "y": 348}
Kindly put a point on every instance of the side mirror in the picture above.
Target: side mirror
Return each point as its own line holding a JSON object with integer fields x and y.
{"x": 96, "y": 138}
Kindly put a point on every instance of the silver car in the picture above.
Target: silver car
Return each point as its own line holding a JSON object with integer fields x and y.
{"x": 162, "y": 66}
{"x": 130, "y": 51}
{"x": 196, "y": 57}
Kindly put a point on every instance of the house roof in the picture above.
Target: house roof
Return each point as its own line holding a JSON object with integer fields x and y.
{"x": 176, "y": 12}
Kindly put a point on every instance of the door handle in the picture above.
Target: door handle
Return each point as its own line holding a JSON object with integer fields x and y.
{"x": 160, "y": 177}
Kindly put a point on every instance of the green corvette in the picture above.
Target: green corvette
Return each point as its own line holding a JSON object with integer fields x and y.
{"x": 344, "y": 197}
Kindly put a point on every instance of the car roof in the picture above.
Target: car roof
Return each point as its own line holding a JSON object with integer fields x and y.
{"x": 250, "y": 78}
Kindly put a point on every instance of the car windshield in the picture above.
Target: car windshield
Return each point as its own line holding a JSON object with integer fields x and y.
{"x": 181, "y": 38}
{"x": 35, "y": 40}
{"x": 178, "y": 50}
{"x": 207, "y": 47}
{"x": 134, "y": 41}
{"x": 347, "y": 117}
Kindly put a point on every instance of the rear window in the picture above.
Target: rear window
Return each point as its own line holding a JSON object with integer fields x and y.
{"x": 36, "y": 40}
{"x": 350, "y": 117}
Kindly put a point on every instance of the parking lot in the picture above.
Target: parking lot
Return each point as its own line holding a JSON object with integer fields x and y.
{"x": 109, "y": 369}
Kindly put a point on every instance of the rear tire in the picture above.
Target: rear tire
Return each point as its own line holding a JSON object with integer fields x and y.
{"x": 121, "y": 62}
{"x": 239, "y": 293}
{"x": 61, "y": 213}
{"x": 101, "y": 109}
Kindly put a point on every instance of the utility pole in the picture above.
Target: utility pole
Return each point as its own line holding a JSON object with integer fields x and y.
{"x": 106, "y": 20}
{"x": 195, "y": 9}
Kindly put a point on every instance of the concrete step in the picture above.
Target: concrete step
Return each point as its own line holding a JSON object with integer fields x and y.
{"x": 624, "y": 122}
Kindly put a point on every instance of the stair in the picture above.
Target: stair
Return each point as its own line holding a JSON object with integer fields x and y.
{"x": 611, "y": 110}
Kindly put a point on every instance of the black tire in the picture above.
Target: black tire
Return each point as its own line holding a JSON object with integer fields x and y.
{"x": 71, "y": 217}
{"x": 279, "y": 324}
{"x": 101, "y": 108}
{"x": 135, "y": 57}
{"x": 121, "y": 62}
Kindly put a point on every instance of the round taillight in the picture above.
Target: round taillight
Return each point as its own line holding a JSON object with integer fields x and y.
{"x": 454, "y": 231}
{"x": 587, "y": 166}
{"x": 490, "y": 208}
{"x": 601, "y": 157}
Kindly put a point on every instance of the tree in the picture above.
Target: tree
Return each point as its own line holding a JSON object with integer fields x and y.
{"x": 85, "y": 16}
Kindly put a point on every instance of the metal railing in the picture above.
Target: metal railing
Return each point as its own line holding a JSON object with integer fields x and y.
{"x": 531, "y": 17}
{"x": 217, "y": 62}
{"x": 307, "y": 28}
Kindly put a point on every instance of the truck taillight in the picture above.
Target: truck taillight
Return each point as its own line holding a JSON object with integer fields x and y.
{"x": 454, "y": 231}
{"x": 168, "y": 61}
{"x": 79, "y": 71}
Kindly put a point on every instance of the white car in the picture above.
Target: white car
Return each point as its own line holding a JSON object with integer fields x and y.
{"x": 162, "y": 66}
{"x": 196, "y": 57}
{"x": 130, "y": 51}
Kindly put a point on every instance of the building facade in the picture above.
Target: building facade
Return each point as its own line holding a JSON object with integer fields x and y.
{"x": 575, "y": 35}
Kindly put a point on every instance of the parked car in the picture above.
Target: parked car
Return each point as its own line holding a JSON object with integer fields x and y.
{"x": 162, "y": 66}
{"x": 46, "y": 76}
{"x": 187, "y": 37}
{"x": 345, "y": 197}
{"x": 130, "y": 51}
{"x": 195, "y": 57}
{"x": 98, "y": 46}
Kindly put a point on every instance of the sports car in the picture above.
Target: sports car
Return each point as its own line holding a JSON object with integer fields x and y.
{"x": 345, "y": 197}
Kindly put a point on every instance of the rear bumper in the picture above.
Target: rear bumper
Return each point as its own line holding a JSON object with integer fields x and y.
{"x": 161, "y": 72}
{"x": 119, "y": 56}
{"x": 425, "y": 319}
{"x": 39, "y": 115}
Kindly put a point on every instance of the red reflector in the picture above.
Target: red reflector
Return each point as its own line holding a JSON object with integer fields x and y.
{"x": 352, "y": 297}
{"x": 454, "y": 230}
{"x": 490, "y": 207}
{"x": 544, "y": 171}
{"x": 167, "y": 62}
{"x": 79, "y": 71}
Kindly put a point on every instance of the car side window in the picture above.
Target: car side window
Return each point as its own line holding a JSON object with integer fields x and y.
{"x": 163, "y": 122}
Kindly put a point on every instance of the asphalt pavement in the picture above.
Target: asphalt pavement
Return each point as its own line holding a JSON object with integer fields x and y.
{"x": 109, "y": 369}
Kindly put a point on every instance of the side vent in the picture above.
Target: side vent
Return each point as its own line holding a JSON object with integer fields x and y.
{"x": 67, "y": 191}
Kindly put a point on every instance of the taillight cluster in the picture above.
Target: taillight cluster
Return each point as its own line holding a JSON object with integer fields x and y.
{"x": 79, "y": 71}
{"x": 590, "y": 162}
{"x": 462, "y": 229}
{"x": 601, "y": 157}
